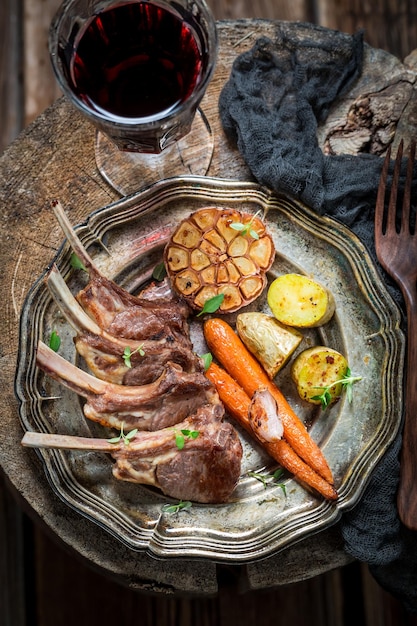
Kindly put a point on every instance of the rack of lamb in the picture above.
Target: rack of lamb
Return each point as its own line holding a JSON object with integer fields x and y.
{"x": 161, "y": 392}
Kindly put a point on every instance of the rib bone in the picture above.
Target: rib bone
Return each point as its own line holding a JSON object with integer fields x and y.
{"x": 66, "y": 442}
{"x": 103, "y": 352}
{"x": 118, "y": 311}
{"x": 165, "y": 402}
{"x": 206, "y": 470}
{"x": 72, "y": 237}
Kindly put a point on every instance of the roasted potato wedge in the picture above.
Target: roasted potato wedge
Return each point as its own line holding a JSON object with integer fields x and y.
{"x": 268, "y": 340}
{"x": 315, "y": 369}
{"x": 296, "y": 300}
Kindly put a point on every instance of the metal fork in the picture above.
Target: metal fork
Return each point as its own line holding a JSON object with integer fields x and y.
{"x": 396, "y": 248}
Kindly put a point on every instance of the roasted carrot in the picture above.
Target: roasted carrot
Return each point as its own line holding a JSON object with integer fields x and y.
{"x": 238, "y": 403}
{"x": 285, "y": 455}
{"x": 234, "y": 398}
{"x": 230, "y": 351}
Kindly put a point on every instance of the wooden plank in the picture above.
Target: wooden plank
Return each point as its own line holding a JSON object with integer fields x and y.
{"x": 388, "y": 24}
{"x": 12, "y": 579}
{"x": 380, "y": 606}
{"x": 12, "y": 576}
{"x": 11, "y": 88}
{"x": 268, "y": 9}
{"x": 68, "y": 592}
{"x": 39, "y": 83}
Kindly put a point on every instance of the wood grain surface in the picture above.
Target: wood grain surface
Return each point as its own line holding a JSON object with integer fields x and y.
{"x": 42, "y": 582}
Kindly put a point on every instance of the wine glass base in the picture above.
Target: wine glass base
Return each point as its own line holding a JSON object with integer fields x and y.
{"x": 127, "y": 172}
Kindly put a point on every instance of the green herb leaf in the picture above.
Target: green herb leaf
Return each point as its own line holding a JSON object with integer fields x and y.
{"x": 128, "y": 353}
{"x": 212, "y": 304}
{"x": 125, "y": 436}
{"x": 114, "y": 439}
{"x": 54, "y": 341}
{"x": 130, "y": 435}
{"x": 246, "y": 229}
{"x": 159, "y": 272}
{"x": 277, "y": 475}
{"x": 269, "y": 480}
{"x": 207, "y": 360}
{"x": 325, "y": 398}
{"x": 180, "y": 437}
{"x": 239, "y": 226}
{"x": 192, "y": 434}
{"x": 176, "y": 508}
{"x": 126, "y": 356}
{"x": 261, "y": 477}
{"x": 76, "y": 263}
{"x": 347, "y": 382}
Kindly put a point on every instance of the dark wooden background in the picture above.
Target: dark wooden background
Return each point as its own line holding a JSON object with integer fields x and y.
{"x": 40, "y": 583}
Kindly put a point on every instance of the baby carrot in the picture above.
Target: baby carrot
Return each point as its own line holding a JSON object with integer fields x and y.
{"x": 285, "y": 455}
{"x": 230, "y": 351}
{"x": 237, "y": 403}
{"x": 234, "y": 398}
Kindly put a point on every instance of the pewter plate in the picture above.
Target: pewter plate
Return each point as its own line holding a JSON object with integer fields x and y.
{"x": 126, "y": 240}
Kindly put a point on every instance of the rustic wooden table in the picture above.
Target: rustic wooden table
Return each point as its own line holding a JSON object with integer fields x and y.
{"x": 53, "y": 158}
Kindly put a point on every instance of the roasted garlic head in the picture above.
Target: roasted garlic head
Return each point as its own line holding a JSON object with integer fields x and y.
{"x": 219, "y": 251}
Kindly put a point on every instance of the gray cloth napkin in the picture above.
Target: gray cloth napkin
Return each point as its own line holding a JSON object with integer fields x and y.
{"x": 277, "y": 94}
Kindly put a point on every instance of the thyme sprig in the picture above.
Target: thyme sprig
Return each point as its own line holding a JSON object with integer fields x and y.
{"x": 182, "y": 505}
{"x": 180, "y": 437}
{"x": 269, "y": 480}
{"x": 347, "y": 382}
{"x": 128, "y": 353}
{"x": 126, "y": 437}
{"x": 246, "y": 229}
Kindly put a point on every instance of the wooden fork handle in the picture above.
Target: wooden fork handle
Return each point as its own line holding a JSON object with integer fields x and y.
{"x": 407, "y": 492}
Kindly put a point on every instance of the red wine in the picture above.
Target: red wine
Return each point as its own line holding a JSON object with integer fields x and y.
{"x": 136, "y": 60}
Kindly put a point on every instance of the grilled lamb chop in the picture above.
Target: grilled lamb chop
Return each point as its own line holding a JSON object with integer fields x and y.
{"x": 103, "y": 352}
{"x": 138, "y": 319}
{"x": 165, "y": 402}
{"x": 154, "y": 315}
{"x": 173, "y": 394}
{"x": 205, "y": 470}
{"x": 104, "y": 359}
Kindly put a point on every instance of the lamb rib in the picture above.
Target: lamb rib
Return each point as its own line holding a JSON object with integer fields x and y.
{"x": 108, "y": 319}
{"x": 205, "y": 470}
{"x": 103, "y": 352}
{"x": 165, "y": 402}
{"x": 157, "y": 313}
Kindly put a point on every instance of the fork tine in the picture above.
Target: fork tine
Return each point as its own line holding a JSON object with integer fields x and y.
{"x": 405, "y": 220}
{"x": 380, "y": 199}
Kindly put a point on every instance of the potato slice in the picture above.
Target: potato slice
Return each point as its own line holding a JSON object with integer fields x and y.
{"x": 268, "y": 340}
{"x": 296, "y": 300}
{"x": 315, "y": 369}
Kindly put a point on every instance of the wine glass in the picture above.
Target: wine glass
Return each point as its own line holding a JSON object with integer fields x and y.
{"x": 138, "y": 70}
